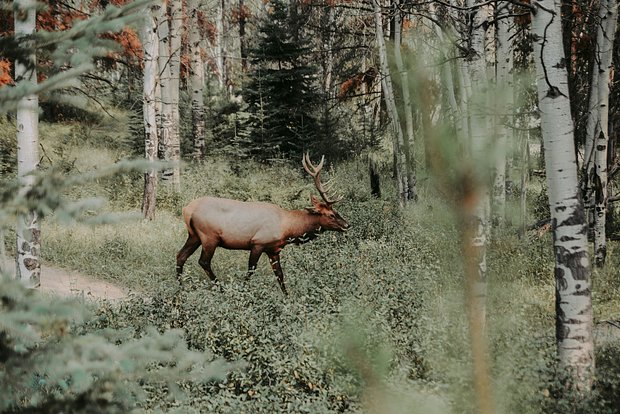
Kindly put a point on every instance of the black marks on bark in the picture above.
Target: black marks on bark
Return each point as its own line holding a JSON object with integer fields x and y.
{"x": 36, "y": 235}
{"x": 554, "y": 92}
{"x": 584, "y": 292}
{"x": 575, "y": 261}
{"x": 576, "y": 218}
{"x": 561, "y": 330}
{"x": 567, "y": 238}
{"x": 31, "y": 263}
{"x": 375, "y": 182}
{"x": 561, "y": 64}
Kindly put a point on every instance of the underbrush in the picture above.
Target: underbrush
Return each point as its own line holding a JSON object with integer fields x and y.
{"x": 375, "y": 319}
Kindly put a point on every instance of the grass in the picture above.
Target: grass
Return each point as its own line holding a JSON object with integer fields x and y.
{"x": 375, "y": 318}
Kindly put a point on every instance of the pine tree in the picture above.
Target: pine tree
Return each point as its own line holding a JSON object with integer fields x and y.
{"x": 282, "y": 92}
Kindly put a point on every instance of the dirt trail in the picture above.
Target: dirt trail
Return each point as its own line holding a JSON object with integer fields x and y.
{"x": 67, "y": 283}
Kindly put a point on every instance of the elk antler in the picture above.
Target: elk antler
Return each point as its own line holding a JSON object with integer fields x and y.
{"x": 314, "y": 172}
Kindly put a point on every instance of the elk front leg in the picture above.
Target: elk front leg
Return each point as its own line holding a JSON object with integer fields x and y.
{"x": 274, "y": 259}
{"x": 205, "y": 261}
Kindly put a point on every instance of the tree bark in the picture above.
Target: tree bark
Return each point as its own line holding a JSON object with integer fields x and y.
{"x": 165, "y": 101}
{"x": 150, "y": 45}
{"x": 169, "y": 67}
{"x": 572, "y": 265}
{"x": 242, "y": 41}
{"x": 504, "y": 108}
{"x": 400, "y": 164}
{"x": 197, "y": 82}
{"x": 176, "y": 27}
{"x": 220, "y": 59}
{"x": 478, "y": 230}
{"x": 408, "y": 137}
{"x": 28, "y": 263}
{"x": 608, "y": 16}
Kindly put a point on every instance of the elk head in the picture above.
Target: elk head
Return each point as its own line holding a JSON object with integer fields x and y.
{"x": 329, "y": 218}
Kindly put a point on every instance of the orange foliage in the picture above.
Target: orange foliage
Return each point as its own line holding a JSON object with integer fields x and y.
{"x": 56, "y": 17}
{"x": 207, "y": 28}
{"x": 240, "y": 13}
{"x": 408, "y": 24}
{"x": 523, "y": 16}
{"x": 131, "y": 47}
{"x": 350, "y": 85}
{"x": 5, "y": 72}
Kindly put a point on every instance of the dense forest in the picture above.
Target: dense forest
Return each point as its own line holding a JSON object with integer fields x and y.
{"x": 390, "y": 206}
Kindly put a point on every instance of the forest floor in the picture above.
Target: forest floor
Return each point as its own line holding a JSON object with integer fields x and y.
{"x": 70, "y": 283}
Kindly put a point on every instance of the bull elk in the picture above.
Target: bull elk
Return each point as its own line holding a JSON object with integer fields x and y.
{"x": 256, "y": 226}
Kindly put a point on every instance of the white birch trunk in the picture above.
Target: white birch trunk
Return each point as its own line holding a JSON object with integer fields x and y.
{"x": 408, "y": 137}
{"x": 173, "y": 175}
{"x": 150, "y": 45}
{"x": 504, "y": 107}
{"x": 572, "y": 264}
{"x": 386, "y": 81}
{"x": 165, "y": 103}
{"x": 196, "y": 82}
{"x": 524, "y": 179}
{"x": 608, "y": 16}
{"x": 220, "y": 62}
{"x": 479, "y": 127}
{"x": 463, "y": 128}
{"x": 328, "y": 46}
{"x": 169, "y": 148}
{"x": 220, "y": 46}
{"x": 242, "y": 42}
{"x": 28, "y": 263}
{"x": 479, "y": 215}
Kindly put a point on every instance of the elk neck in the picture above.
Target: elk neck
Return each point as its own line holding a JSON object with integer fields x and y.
{"x": 302, "y": 226}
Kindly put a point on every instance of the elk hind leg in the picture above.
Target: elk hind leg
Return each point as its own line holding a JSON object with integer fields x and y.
{"x": 274, "y": 259}
{"x": 205, "y": 260}
{"x": 255, "y": 253}
{"x": 190, "y": 246}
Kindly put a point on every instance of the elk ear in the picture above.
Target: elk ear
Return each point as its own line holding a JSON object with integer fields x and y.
{"x": 316, "y": 205}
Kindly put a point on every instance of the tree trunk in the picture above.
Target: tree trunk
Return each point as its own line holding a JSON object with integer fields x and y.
{"x": 150, "y": 45}
{"x": 243, "y": 49}
{"x": 165, "y": 101}
{"x": 524, "y": 151}
{"x": 197, "y": 82}
{"x": 608, "y": 16}
{"x": 173, "y": 175}
{"x": 327, "y": 35}
{"x": 504, "y": 108}
{"x": 408, "y": 137}
{"x": 478, "y": 216}
{"x": 169, "y": 67}
{"x": 220, "y": 60}
{"x": 400, "y": 164}
{"x": 28, "y": 263}
{"x": 328, "y": 18}
{"x": 572, "y": 264}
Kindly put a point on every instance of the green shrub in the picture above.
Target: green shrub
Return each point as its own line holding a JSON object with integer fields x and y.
{"x": 49, "y": 363}
{"x": 379, "y": 304}
{"x": 8, "y": 148}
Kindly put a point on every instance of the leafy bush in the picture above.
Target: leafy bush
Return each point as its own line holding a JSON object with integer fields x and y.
{"x": 374, "y": 313}
{"x": 8, "y": 148}
{"x": 49, "y": 364}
